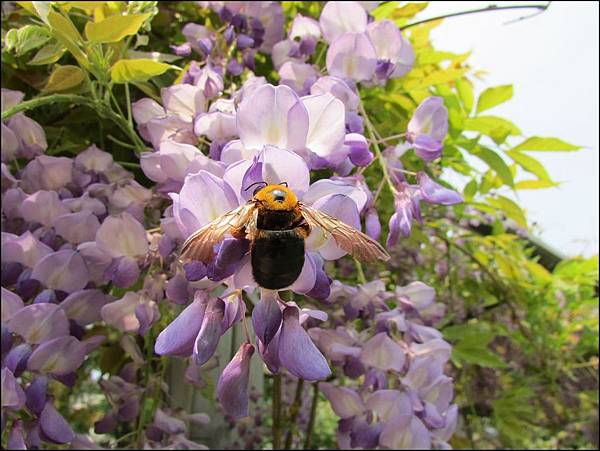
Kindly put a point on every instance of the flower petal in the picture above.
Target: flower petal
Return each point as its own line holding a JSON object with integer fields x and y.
{"x": 297, "y": 352}
{"x": 232, "y": 387}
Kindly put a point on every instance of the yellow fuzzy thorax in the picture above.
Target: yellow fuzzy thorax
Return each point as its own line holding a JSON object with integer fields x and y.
{"x": 269, "y": 194}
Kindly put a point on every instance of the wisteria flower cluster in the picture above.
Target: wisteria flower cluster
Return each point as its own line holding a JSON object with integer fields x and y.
{"x": 84, "y": 244}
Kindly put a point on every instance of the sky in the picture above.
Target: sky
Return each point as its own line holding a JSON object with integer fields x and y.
{"x": 552, "y": 62}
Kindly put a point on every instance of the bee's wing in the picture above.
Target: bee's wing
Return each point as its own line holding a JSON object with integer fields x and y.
{"x": 199, "y": 245}
{"x": 348, "y": 238}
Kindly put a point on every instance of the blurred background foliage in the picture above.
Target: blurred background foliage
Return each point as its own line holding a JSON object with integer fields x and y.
{"x": 523, "y": 321}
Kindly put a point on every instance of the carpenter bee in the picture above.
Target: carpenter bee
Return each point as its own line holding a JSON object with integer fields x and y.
{"x": 276, "y": 224}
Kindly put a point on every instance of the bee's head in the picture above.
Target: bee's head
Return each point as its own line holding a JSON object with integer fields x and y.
{"x": 276, "y": 197}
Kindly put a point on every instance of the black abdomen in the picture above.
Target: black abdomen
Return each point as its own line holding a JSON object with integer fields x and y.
{"x": 277, "y": 258}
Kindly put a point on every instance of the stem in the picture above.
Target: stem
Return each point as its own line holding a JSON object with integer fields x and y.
{"x": 392, "y": 137}
{"x": 490, "y": 8}
{"x": 128, "y": 100}
{"x": 276, "y": 411}
{"x": 359, "y": 269}
{"x": 129, "y": 164}
{"x": 313, "y": 415}
{"x": 121, "y": 143}
{"x": 375, "y": 144}
{"x": 294, "y": 410}
{"x": 46, "y": 100}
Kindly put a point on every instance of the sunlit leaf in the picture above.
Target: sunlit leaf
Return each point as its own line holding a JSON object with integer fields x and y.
{"x": 48, "y": 54}
{"x": 537, "y": 143}
{"x": 510, "y": 209}
{"x": 495, "y": 162}
{"x": 125, "y": 71}
{"x": 535, "y": 184}
{"x": 495, "y": 127}
{"x": 530, "y": 164}
{"x": 114, "y": 28}
{"x": 494, "y": 96}
{"x": 63, "y": 78}
{"x": 465, "y": 93}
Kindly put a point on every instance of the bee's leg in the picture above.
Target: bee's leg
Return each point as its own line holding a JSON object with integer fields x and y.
{"x": 303, "y": 230}
{"x": 238, "y": 232}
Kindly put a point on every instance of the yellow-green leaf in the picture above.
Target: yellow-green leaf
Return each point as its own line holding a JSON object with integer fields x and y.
{"x": 494, "y": 96}
{"x": 495, "y": 127}
{"x": 495, "y": 162}
{"x": 114, "y": 28}
{"x": 535, "y": 184}
{"x": 125, "y": 71}
{"x": 63, "y": 24}
{"x": 510, "y": 209}
{"x": 66, "y": 34}
{"x": 465, "y": 93}
{"x": 530, "y": 164}
{"x": 537, "y": 143}
{"x": 63, "y": 78}
{"x": 48, "y": 54}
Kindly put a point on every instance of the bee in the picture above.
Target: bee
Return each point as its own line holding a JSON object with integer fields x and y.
{"x": 276, "y": 224}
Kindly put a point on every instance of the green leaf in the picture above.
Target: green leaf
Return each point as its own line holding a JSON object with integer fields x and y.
{"x": 63, "y": 78}
{"x": 510, "y": 209}
{"x": 535, "y": 184}
{"x": 530, "y": 164}
{"x": 114, "y": 28}
{"x": 465, "y": 93}
{"x": 26, "y": 38}
{"x": 494, "y": 96}
{"x": 495, "y": 127}
{"x": 125, "y": 71}
{"x": 48, "y": 54}
{"x": 442, "y": 76}
{"x": 495, "y": 162}
{"x": 65, "y": 33}
{"x": 470, "y": 190}
{"x": 477, "y": 355}
{"x": 537, "y": 143}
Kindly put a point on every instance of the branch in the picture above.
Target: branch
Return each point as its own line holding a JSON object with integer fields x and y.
{"x": 294, "y": 410}
{"x": 276, "y": 411}
{"x": 490, "y": 8}
{"x": 46, "y": 100}
{"x": 313, "y": 414}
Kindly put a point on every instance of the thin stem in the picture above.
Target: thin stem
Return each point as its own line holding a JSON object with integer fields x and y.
{"x": 128, "y": 100}
{"x": 374, "y": 142}
{"x": 359, "y": 269}
{"x": 392, "y": 137}
{"x": 46, "y": 100}
{"x": 121, "y": 143}
{"x": 311, "y": 420}
{"x": 129, "y": 164}
{"x": 293, "y": 414}
{"x": 490, "y": 8}
{"x": 276, "y": 411}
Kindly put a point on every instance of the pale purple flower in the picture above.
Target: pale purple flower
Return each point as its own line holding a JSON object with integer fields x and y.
{"x": 338, "y": 88}
{"x": 31, "y": 135}
{"x": 59, "y": 356}
{"x": 63, "y": 270}
{"x": 77, "y": 227}
{"x": 37, "y": 323}
{"x": 338, "y": 18}
{"x": 25, "y": 249}
{"x": 345, "y": 402}
{"x": 352, "y": 56}
{"x": 272, "y": 115}
{"x": 428, "y": 128}
{"x": 395, "y": 56}
{"x": 47, "y": 173}
{"x": 122, "y": 235}
{"x": 42, "y": 207}
{"x": 94, "y": 159}
{"x": 232, "y": 387}
{"x": 298, "y": 76}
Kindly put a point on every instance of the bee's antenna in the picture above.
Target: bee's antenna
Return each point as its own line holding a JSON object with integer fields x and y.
{"x": 255, "y": 183}
{"x": 284, "y": 184}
